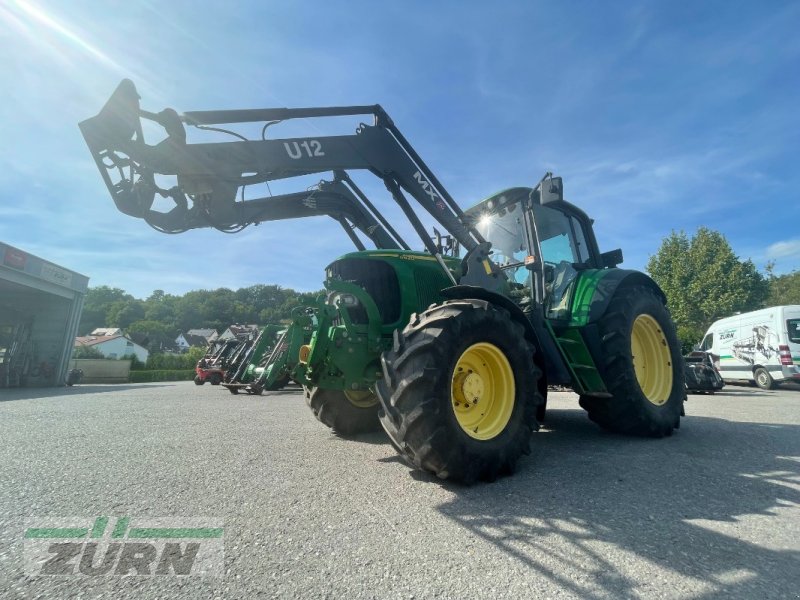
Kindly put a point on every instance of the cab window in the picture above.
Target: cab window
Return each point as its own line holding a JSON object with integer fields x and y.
{"x": 793, "y": 327}
{"x": 582, "y": 249}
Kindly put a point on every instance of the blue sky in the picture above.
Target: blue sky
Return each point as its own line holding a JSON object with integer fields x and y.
{"x": 659, "y": 116}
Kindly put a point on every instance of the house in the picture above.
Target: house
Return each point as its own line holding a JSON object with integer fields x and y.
{"x": 187, "y": 340}
{"x": 209, "y": 334}
{"x": 113, "y": 346}
{"x": 239, "y": 332}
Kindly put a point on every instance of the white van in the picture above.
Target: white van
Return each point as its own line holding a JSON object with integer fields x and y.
{"x": 761, "y": 346}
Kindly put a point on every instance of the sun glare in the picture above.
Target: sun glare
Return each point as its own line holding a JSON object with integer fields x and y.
{"x": 36, "y": 23}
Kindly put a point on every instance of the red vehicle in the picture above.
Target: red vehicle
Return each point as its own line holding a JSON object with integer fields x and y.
{"x": 213, "y": 374}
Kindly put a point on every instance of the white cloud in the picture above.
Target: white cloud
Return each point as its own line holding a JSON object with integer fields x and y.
{"x": 784, "y": 249}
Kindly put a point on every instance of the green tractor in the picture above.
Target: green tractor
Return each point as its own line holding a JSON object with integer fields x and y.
{"x": 451, "y": 354}
{"x": 273, "y": 360}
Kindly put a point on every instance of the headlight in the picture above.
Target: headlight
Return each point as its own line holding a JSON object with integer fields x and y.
{"x": 342, "y": 299}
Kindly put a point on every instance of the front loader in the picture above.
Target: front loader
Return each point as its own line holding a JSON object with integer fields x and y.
{"x": 450, "y": 354}
{"x": 273, "y": 361}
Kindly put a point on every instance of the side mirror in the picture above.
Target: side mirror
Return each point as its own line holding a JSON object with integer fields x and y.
{"x": 552, "y": 190}
{"x": 611, "y": 258}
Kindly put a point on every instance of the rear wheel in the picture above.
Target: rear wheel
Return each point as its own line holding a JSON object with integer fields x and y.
{"x": 346, "y": 412}
{"x": 643, "y": 366}
{"x": 459, "y": 391}
{"x": 198, "y": 381}
{"x": 763, "y": 379}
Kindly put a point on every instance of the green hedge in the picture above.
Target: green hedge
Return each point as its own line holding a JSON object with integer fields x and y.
{"x": 162, "y": 375}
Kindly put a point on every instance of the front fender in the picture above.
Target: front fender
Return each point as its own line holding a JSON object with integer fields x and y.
{"x": 463, "y": 292}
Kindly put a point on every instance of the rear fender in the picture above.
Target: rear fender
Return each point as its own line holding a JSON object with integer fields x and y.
{"x": 595, "y": 289}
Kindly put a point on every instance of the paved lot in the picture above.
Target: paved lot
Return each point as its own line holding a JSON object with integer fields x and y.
{"x": 711, "y": 512}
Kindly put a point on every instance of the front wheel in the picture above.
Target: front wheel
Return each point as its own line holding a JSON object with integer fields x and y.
{"x": 643, "y": 367}
{"x": 763, "y": 379}
{"x": 459, "y": 393}
{"x": 347, "y": 413}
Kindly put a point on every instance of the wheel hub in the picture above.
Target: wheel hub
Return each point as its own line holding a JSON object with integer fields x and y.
{"x": 468, "y": 389}
{"x": 361, "y": 398}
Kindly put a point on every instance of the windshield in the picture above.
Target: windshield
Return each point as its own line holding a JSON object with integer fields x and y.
{"x": 506, "y": 231}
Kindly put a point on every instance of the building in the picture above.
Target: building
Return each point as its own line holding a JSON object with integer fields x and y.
{"x": 40, "y": 308}
{"x": 113, "y": 346}
{"x": 239, "y": 332}
{"x": 209, "y": 334}
{"x": 187, "y": 340}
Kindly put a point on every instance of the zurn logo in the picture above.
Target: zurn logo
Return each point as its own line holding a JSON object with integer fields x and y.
{"x": 153, "y": 547}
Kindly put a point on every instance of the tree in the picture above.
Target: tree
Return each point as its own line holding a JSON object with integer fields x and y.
{"x": 161, "y": 307}
{"x": 783, "y": 289}
{"x": 162, "y": 316}
{"x": 123, "y": 313}
{"x": 704, "y": 281}
{"x": 96, "y": 307}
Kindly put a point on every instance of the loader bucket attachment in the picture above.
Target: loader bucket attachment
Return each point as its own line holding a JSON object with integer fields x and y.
{"x": 115, "y": 139}
{"x": 115, "y": 127}
{"x": 118, "y": 120}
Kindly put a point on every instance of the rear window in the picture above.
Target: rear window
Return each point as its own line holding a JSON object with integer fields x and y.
{"x": 793, "y": 326}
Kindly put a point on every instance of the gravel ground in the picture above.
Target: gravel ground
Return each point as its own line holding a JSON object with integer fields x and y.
{"x": 711, "y": 512}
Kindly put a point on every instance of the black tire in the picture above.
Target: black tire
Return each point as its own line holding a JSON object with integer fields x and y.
{"x": 215, "y": 379}
{"x": 763, "y": 379}
{"x": 198, "y": 381}
{"x": 636, "y": 316}
{"x": 346, "y": 414}
{"x": 430, "y": 421}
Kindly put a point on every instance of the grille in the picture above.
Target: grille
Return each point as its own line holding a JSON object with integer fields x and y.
{"x": 378, "y": 279}
{"x": 429, "y": 284}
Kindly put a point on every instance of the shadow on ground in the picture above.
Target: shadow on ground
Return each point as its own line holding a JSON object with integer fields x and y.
{"x": 77, "y": 390}
{"x": 587, "y": 501}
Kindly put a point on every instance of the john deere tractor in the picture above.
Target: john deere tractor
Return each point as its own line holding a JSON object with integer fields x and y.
{"x": 451, "y": 354}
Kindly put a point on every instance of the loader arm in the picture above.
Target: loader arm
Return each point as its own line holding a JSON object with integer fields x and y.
{"x": 211, "y": 176}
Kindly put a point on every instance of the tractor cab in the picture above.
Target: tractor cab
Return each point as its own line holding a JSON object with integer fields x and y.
{"x": 540, "y": 242}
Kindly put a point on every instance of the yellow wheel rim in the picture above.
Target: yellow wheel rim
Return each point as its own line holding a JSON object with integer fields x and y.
{"x": 652, "y": 359}
{"x": 361, "y": 398}
{"x": 482, "y": 391}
